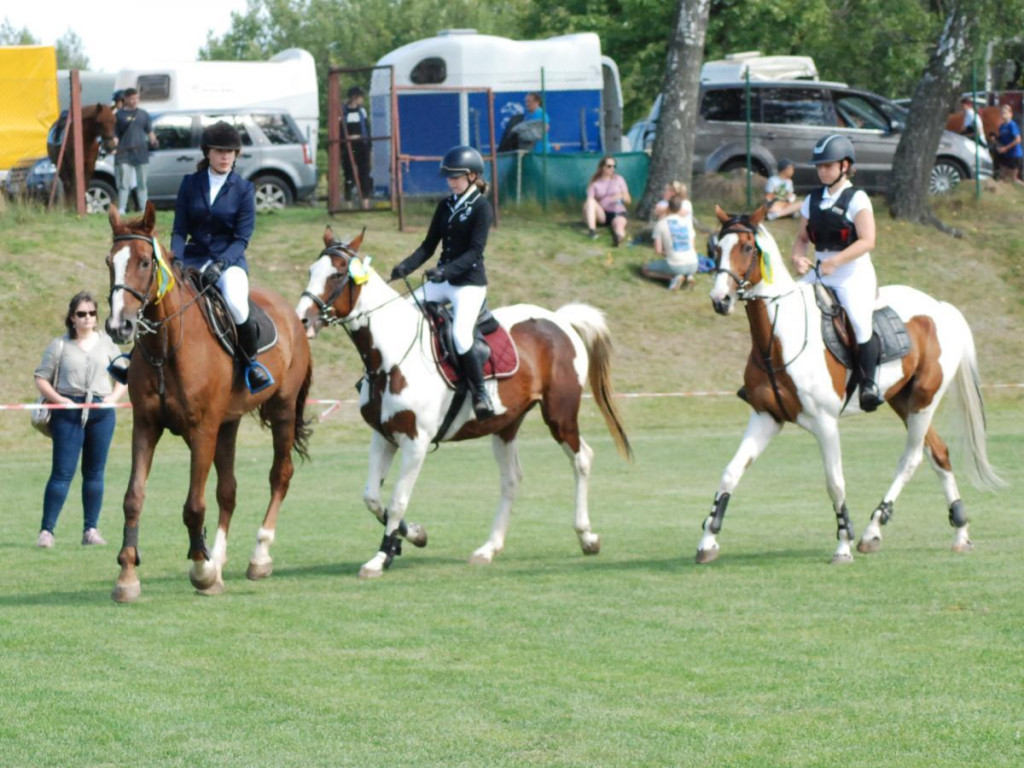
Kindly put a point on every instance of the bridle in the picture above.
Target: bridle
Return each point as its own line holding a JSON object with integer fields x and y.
{"x": 326, "y": 306}
{"x": 736, "y": 225}
{"x": 143, "y": 299}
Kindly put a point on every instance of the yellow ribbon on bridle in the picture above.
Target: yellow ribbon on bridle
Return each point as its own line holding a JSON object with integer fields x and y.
{"x": 164, "y": 275}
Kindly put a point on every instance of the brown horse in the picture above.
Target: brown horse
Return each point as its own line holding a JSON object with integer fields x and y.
{"x": 405, "y": 399}
{"x": 181, "y": 379}
{"x": 98, "y": 123}
{"x": 988, "y": 116}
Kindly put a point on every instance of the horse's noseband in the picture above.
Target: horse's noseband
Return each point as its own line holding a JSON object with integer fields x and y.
{"x": 738, "y": 225}
{"x": 142, "y": 298}
{"x": 326, "y": 306}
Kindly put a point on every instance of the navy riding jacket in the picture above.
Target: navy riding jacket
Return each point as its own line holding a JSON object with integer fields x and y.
{"x": 222, "y": 231}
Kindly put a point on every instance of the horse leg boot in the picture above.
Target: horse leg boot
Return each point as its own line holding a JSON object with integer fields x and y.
{"x": 867, "y": 360}
{"x": 474, "y": 373}
{"x": 257, "y": 377}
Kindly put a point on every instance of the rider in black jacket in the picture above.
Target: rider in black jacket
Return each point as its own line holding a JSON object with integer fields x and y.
{"x": 460, "y": 224}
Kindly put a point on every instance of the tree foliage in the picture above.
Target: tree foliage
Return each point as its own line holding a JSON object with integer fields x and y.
{"x": 11, "y": 36}
{"x": 70, "y": 54}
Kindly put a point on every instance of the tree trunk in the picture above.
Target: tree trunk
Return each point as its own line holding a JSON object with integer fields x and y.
{"x": 915, "y": 155}
{"x": 672, "y": 156}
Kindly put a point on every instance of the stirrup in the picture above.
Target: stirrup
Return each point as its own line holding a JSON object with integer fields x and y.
{"x": 257, "y": 377}
{"x": 869, "y": 397}
{"x": 118, "y": 371}
{"x": 482, "y": 407}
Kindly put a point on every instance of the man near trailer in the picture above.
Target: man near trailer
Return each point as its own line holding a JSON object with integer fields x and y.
{"x": 355, "y": 145}
{"x": 135, "y": 137}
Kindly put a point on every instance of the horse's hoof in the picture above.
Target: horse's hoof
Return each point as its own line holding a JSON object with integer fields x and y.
{"x": 481, "y": 558}
{"x": 257, "y": 571}
{"x": 842, "y": 559}
{"x": 707, "y": 555}
{"x": 370, "y": 572}
{"x": 962, "y": 547}
{"x": 867, "y": 546}
{"x": 126, "y": 593}
{"x": 416, "y": 535}
{"x": 591, "y": 544}
{"x": 214, "y": 589}
{"x": 203, "y": 576}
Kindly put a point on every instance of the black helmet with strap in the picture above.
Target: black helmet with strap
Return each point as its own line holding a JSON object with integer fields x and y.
{"x": 461, "y": 161}
{"x": 833, "y": 148}
{"x": 220, "y": 135}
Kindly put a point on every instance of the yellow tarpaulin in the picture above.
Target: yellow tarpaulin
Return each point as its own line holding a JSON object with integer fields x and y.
{"x": 28, "y": 100}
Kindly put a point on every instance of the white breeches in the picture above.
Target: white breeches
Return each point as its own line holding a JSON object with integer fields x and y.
{"x": 466, "y": 303}
{"x": 234, "y": 285}
{"x": 856, "y": 286}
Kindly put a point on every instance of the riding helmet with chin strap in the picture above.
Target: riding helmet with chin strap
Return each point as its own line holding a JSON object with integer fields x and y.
{"x": 833, "y": 148}
{"x": 220, "y": 135}
{"x": 461, "y": 161}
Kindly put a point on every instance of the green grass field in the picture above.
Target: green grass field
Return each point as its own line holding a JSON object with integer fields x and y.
{"x": 636, "y": 657}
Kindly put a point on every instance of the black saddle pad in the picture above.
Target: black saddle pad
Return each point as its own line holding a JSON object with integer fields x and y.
{"x": 886, "y": 324}
{"x": 222, "y": 325}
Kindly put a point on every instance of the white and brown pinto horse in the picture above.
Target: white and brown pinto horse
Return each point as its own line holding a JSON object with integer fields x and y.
{"x": 404, "y": 398}
{"x": 792, "y": 377}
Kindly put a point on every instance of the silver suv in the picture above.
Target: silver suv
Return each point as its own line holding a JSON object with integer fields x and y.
{"x": 274, "y": 157}
{"x": 787, "y": 117}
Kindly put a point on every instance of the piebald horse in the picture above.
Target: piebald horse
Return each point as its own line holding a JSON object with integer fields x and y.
{"x": 182, "y": 380}
{"x": 792, "y": 377}
{"x": 404, "y": 398}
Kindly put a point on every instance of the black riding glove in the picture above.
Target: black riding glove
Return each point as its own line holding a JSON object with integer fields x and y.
{"x": 400, "y": 270}
{"x": 435, "y": 275}
{"x": 212, "y": 272}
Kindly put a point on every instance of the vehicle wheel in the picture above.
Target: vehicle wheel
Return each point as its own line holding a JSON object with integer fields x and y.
{"x": 740, "y": 164}
{"x": 945, "y": 176}
{"x": 99, "y": 196}
{"x": 272, "y": 193}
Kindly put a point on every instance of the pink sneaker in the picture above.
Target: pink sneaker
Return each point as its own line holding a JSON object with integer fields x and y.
{"x": 92, "y": 537}
{"x": 45, "y": 539}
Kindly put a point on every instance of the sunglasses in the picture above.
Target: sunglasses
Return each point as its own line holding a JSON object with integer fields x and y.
{"x": 91, "y": 313}
{"x": 609, "y": 165}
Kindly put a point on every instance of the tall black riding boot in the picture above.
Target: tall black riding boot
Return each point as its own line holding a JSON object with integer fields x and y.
{"x": 474, "y": 374}
{"x": 257, "y": 377}
{"x": 867, "y": 360}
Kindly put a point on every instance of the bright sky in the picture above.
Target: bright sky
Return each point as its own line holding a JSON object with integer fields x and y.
{"x": 126, "y": 33}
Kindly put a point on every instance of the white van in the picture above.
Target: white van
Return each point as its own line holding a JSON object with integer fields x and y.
{"x": 287, "y": 81}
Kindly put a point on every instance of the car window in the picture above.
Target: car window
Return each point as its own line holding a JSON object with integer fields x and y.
{"x": 235, "y": 120}
{"x": 857, "y": 112}
{"x": 795, "y": 106}
{"x": 173, "y": 131}
{"x": 728, "y": 104}
{"x": 277, "y": 129}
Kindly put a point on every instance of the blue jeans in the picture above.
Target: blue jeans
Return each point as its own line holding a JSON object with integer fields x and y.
{"x": 70, "y": 439}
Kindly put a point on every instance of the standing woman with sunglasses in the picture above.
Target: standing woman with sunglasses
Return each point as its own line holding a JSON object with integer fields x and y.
{"x": 80, "y": 358}
{"x": 607, "y": 198}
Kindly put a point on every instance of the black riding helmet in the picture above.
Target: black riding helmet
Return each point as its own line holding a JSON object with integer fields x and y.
{"x": 220, "y": 135}
{"x": 833, "y": 148}
{"x": 461, "y": 161}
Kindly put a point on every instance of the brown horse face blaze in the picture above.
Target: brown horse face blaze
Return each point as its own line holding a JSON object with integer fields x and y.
{"x": 130, "y": 264}
{"x": 739, "y": 265}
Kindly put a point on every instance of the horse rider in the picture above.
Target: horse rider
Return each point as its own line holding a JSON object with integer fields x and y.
{"x": 840, "y": 221}
{"x": 460, "y": 224}
{"x": 214, "y": 218}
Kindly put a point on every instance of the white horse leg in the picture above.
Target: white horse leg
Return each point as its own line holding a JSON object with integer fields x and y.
{"x": 582, "y": 461}
{"x": 826, "y": 430}
{"x": 938, "y": 456}
{"x": 507, "y": 456}
{"x": 917, "y": 428}
{"x": 381, "y": 455}
{"x": 413, "y": 454}
{"x": 761, "y": 428}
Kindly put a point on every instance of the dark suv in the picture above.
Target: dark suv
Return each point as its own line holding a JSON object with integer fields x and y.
{"x": 274, "y": 157}
{"x": 787, "y": 117}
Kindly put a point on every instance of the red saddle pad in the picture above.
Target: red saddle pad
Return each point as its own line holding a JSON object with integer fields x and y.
{"x": 503, "y": 362}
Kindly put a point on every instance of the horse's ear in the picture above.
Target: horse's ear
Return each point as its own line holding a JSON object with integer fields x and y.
{"x": 113, "y": 217}
{"x": 328, "y": 236}
{"x": 354, "y": 245}
{"x": 758, "y": 216}
{"x": 722, "y": 215}
{"x": 149, "y": 217}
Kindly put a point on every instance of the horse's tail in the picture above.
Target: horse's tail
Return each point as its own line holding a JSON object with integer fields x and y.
{"x": 970, "y": 413}
{"x": 589, "y": 323}
{"x": 303, "y": 428}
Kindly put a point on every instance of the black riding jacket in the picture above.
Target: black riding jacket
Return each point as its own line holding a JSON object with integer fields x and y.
{"x": 461, "y": 226}
{"x": 829, "y": 229}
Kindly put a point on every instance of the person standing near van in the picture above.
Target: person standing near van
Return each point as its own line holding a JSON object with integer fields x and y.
{"x": 355, "y": 134}
{"x": 840, "y": 221}
{"x": 135, "y": 137}
{"x": 1009, "y": 152}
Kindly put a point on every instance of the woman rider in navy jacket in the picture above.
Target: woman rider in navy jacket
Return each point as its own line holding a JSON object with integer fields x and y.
{"x": 461, "y": 223}
{"x": 214, "y": 217}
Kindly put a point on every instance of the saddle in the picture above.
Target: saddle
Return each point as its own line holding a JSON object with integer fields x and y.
{"x": 222, "y": 325}
{"x": 492, "y": 344}
{"x": 838, "y": 333}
